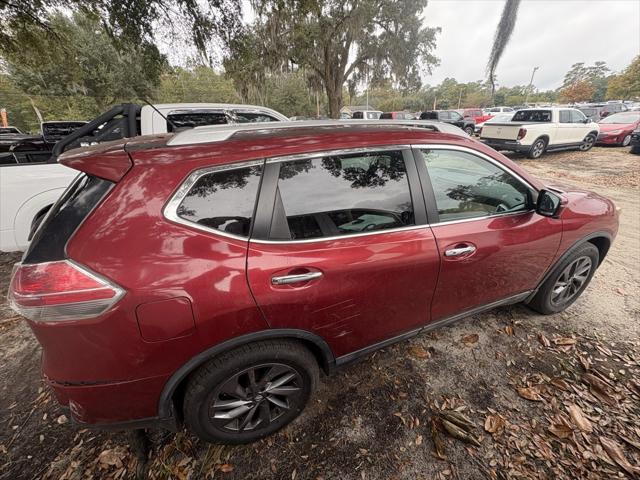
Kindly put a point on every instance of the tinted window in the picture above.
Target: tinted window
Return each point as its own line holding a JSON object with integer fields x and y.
{"x": 346, "y": 194}
{"x": 357, "y": 115}
{"x": 223, "y": 200}
{"x": 429, "y": 116}
{"x": 386, "y": 116}
{"x": 252, "y": 117}
{"x": 467, "y": 186}
{"x": 190, "y": 119}
{"x": 565, "y": 116}
{"x": 532, "y": 116}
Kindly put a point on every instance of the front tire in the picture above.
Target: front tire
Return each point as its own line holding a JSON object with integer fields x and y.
{"x": 588, "y": 143}
{"x": 568, "y": 280}
{"x": 470, "y": 131}
{"x": 537, "y": 149}
{"x": 626, "y": 141}
{"x": 250, "y": 392}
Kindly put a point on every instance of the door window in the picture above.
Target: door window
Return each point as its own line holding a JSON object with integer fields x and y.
{"x": 577, "y": 116}
{"x": 455, "y": 116}
{"x": 565, "y": 116}
{"x": 467, "y": 186}
{"x": 223, "y": 200}
{"x": 345, "y": 194}
{"x": 253, "y": 117}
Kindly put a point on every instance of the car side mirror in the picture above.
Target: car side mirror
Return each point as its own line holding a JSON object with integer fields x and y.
{"x": 548, "y": 204}
{"x": 587, "y": 120}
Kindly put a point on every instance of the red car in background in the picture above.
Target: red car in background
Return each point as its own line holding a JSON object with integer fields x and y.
{"x": 616, "y": 129}
{"x": 476, "y": 114}
{"x": 209, "y": 275}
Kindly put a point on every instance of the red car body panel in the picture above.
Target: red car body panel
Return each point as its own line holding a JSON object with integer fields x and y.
{"x": 115, "y": 367}
{"x": 605, "y": 137}
{"x": 476, "y": 114}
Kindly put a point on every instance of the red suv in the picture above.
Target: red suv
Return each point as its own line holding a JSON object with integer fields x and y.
{"x": 208, "y": 275}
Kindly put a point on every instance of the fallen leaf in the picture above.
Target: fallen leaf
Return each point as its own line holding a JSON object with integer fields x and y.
{"x": 530, "y": 393}
{"x": 417, "y": 351}
{"x": 604, "y": 350}
{"x": 620, "y": 291}
{"x": 470, "y": 339}
{"x": 565, "y": 341}
{"x": 110, "y": 458}
{"x": 544, "y": 341}
{"x": 419, "y": 440}
{"x": 560, "y": 383}
{"x": 615, "y": 452}
{"x": 226, "y": 468}
{"x": 438, "y": 445}
{"x": 586, "y": 363}
{"x": 561, "y": 430}
{"x": 458, "y": 419}
{"x": 579, "y": 419}
{"x": 598, "y": 388}
{"x": 494, "y": 424}
{"x": 509, "y": 330}
{"x": 62, "y": 419}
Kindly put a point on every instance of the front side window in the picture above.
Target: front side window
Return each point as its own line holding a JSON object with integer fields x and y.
{"x": 223, "y": 200}
{"x": 455, "y": 116}
{"x": 345, "y": 194}
{"x": 467, "y": 186}
{"x": 577, "y": 116}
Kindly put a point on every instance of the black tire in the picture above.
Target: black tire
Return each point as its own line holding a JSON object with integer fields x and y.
{"x": 548, "y": 299}
{"x": 537, "y": 148}
{"x": 588, "y": 143}
{"x": 470, "y": 130}
{"x": 275, "y": 360}
{"x": 635, "y": 149}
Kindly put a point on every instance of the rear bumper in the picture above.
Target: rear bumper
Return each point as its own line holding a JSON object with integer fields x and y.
{"x": 111, "y": 404}
{"x": 499, "y": 144}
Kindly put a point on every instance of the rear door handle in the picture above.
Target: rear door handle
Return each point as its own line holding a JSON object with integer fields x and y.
{"x": 456, "y": 252}
{"x": 298, "y": 278}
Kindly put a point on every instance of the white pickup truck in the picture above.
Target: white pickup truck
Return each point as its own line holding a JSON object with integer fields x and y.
{"x": 29, "y": 189}
{"x": 538, "y": 130}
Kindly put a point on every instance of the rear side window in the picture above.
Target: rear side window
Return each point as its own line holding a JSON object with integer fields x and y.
{"x": 532, "y": 116}
{"x": 253, "y": 117}
{"x": 190, "y": 119}
{"x": 386, "y": 116}
{"x": 345, "y": 194}
{"x": 75, "y": 204}
{"x": 223, "y": 199}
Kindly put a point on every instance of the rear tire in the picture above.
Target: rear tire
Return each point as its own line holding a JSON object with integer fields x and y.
{"x": 567, "y": 281}
{"x": 537, "y": 149}
{"x": 250, "y": 392}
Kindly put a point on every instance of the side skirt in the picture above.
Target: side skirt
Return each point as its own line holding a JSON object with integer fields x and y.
{"x": 350, "y": 357}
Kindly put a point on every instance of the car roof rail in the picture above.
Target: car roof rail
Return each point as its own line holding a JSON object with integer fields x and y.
{"x": 219, "y": 133}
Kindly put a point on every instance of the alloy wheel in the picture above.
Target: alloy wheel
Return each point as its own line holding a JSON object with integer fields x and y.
{"x": 587, "y": 143}
{"x": 256, "y": 397}
{"x": 538, "y": 149}
{"x": 626, "y": 141}
{"x": 571, "y": 280}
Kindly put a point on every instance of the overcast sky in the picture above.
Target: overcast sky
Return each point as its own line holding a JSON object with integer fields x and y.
{"x": 551, "y": 34}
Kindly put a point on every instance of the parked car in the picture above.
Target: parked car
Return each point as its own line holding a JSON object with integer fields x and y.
{"x": 475, "y": 114}
{"x": 397, "y": 116}
{"x": 495, "y": 110}
{"x": 611, "y": 108}
{"x": 31, "y": 182}
{"x": 535, "y": 131}
{"x": 209, "y": 275}
{"x": 10, "y": 130}
{"x": 452, "y": 117}
{"x": 635, "y": 141}
{"x": 38, "y": 148}
{"x": 366, "y": 115}
{"x": 592, "y": 112}
{"x": 497, "y": 118}
{"x": 616, "y": 129}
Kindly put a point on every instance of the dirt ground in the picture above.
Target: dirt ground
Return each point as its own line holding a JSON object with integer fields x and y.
{"x": 505, "y": 394}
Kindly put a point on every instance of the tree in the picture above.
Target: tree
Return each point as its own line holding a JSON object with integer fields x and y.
{"x": 335, "y": 40}
{"x": 596, "y": 75}
{"x": 82, "y": 74}
{"x": 626, "y": 85}
{"x": 131, "y": 21}
{"x": 501, "y": 39}
{"x": 195, "y": 84}
{"x": 579, "y": 91}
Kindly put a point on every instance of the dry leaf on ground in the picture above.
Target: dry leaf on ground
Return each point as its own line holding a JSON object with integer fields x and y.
{"x": 531, "y": 393}
{"x": 494, "y": 424}
{"x": 617, "y": 455}
{"x": 470, "y": 339}
{"x": 417, "y": 351}
{"x": 560, "y": 430}
{"x": 579, "y": 419}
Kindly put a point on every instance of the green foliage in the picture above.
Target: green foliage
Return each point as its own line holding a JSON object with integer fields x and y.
{"x": 595, "y": 75}
{"x": 626, "y": 85}
{"x": 198, "y": 84}
{"x": 333, "y": 41}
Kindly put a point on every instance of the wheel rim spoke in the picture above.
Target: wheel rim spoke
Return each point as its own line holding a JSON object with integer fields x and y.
{"x": 571, "y": 280}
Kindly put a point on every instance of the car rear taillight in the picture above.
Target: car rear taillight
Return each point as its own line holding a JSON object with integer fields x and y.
{"x": 61, "y": 290}
{"x": 521, "y": 133}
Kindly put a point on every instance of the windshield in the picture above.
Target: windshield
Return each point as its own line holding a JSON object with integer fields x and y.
{"x": 623, "y": 117}
{"x": 532, "y": 116}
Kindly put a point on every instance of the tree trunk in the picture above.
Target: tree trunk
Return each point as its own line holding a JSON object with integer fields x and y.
{"x": 335, "y": 101}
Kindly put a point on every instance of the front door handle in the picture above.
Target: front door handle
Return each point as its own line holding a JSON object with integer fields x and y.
{"x": 297, "y": 278}
{"x": 456, "y": 252}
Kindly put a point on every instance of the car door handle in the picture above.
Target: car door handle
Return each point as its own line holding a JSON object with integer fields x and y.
{"x": 297, "y": 278}
{"x": 456, "y": 252}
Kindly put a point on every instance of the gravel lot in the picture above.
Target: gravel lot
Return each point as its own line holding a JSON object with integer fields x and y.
{"x": 506, "y": 394}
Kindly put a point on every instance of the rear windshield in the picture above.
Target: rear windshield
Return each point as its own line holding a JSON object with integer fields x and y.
{"x": 532, "y": 116}
{"x": 195, "y": 118}
{"x": 75, "y": 204}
